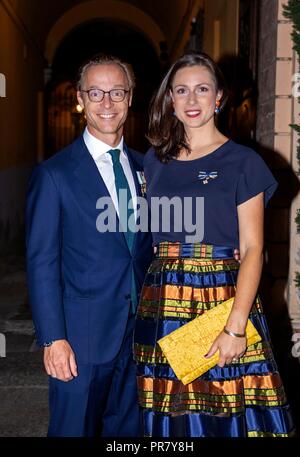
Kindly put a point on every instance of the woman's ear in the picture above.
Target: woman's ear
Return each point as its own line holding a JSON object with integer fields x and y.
{"x": 219, "y": 95}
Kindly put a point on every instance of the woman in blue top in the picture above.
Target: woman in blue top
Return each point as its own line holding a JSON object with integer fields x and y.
{"x": 195, "y": 270}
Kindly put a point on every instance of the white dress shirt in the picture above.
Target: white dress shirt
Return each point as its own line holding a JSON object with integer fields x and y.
{"x": 98, "y": 150}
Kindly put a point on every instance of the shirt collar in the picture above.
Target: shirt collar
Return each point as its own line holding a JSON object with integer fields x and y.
{"x": 98, "y": 148}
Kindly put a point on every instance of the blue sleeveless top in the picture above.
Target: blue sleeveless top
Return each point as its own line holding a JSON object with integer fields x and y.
{"x": 226, "y": 178}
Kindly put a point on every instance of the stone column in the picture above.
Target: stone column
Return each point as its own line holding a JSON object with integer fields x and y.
{"x": 277, "y": 109}
{"x": 294, "y": 264}
{"x": 287, "y": 112}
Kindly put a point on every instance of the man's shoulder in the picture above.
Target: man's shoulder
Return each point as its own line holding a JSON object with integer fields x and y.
{"x": 62, "y": 158}
{"x": 137, "y": 157}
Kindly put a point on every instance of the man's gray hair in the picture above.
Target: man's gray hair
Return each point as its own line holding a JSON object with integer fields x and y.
{"x": 103, "y": 59}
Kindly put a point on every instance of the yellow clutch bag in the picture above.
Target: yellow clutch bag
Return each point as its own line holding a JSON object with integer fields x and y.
{"x": 185, "y": 347}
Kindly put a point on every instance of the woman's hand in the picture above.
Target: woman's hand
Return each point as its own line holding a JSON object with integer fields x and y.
{"x": 231, "y": 348}
{"x": 250, "y": 216}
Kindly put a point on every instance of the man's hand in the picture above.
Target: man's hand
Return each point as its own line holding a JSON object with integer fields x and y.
{"x": 59, "y": 361}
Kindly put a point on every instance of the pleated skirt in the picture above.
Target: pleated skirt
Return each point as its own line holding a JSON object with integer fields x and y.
{"x": 243, "y": 399}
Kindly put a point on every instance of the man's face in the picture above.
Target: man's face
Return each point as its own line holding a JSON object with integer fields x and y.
{"x": 105, "y": 119}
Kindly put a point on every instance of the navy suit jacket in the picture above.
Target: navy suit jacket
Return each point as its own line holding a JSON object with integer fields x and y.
{"x": 79, "y": 279}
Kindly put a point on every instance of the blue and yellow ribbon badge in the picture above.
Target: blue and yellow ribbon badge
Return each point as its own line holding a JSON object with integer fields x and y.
{"x": 142, "y": 182}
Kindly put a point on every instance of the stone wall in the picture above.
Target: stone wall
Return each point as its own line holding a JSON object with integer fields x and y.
{"x": 277, "y": 109}
{"x": 21, "y": 61}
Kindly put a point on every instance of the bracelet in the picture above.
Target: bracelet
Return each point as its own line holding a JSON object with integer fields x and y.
{"x": 237, "y": 335}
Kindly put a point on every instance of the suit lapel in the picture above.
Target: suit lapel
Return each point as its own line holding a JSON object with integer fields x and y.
{"x": 87, "y": 174}
{"x": 134, "y": 168}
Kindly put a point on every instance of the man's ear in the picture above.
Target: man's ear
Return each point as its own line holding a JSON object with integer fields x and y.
{"x": 79, "y": 99}
{"x": 130, "y": 98}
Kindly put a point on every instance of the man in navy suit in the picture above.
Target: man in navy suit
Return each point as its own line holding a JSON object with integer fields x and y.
{"x": 83, "y": 283}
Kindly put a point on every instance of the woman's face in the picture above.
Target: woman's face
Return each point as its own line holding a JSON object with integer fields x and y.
{"x": 194, "y": 96}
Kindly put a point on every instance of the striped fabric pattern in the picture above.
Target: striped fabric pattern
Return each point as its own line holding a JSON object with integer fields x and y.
{"x": 247, "y": 396}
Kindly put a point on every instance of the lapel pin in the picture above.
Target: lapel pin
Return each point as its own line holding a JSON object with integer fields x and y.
{"x": 205, "y": 176}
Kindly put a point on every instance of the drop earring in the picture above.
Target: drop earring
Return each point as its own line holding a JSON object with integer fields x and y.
{"x": 217, "y": 108}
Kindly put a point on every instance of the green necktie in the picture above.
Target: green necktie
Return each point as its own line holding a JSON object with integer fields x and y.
{"x": 125, "y": 213}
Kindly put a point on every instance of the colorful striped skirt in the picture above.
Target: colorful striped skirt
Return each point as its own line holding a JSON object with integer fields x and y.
{"x": 245, "y": 398}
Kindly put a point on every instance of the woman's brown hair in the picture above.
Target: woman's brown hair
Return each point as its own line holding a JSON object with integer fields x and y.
{"x": 166, "y": 132}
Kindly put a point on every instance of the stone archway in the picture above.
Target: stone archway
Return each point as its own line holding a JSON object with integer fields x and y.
{"x": 80, "y": 44}
{"x": 113, "y": 10}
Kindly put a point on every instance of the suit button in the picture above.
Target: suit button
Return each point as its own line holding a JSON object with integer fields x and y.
{"x": 127, "y": 296}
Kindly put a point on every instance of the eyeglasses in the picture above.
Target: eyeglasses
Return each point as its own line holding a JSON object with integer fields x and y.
{"x": 97, "y": 95}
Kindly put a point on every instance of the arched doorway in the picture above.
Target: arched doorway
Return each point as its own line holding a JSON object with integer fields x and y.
{"x": 86, "y": 40}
